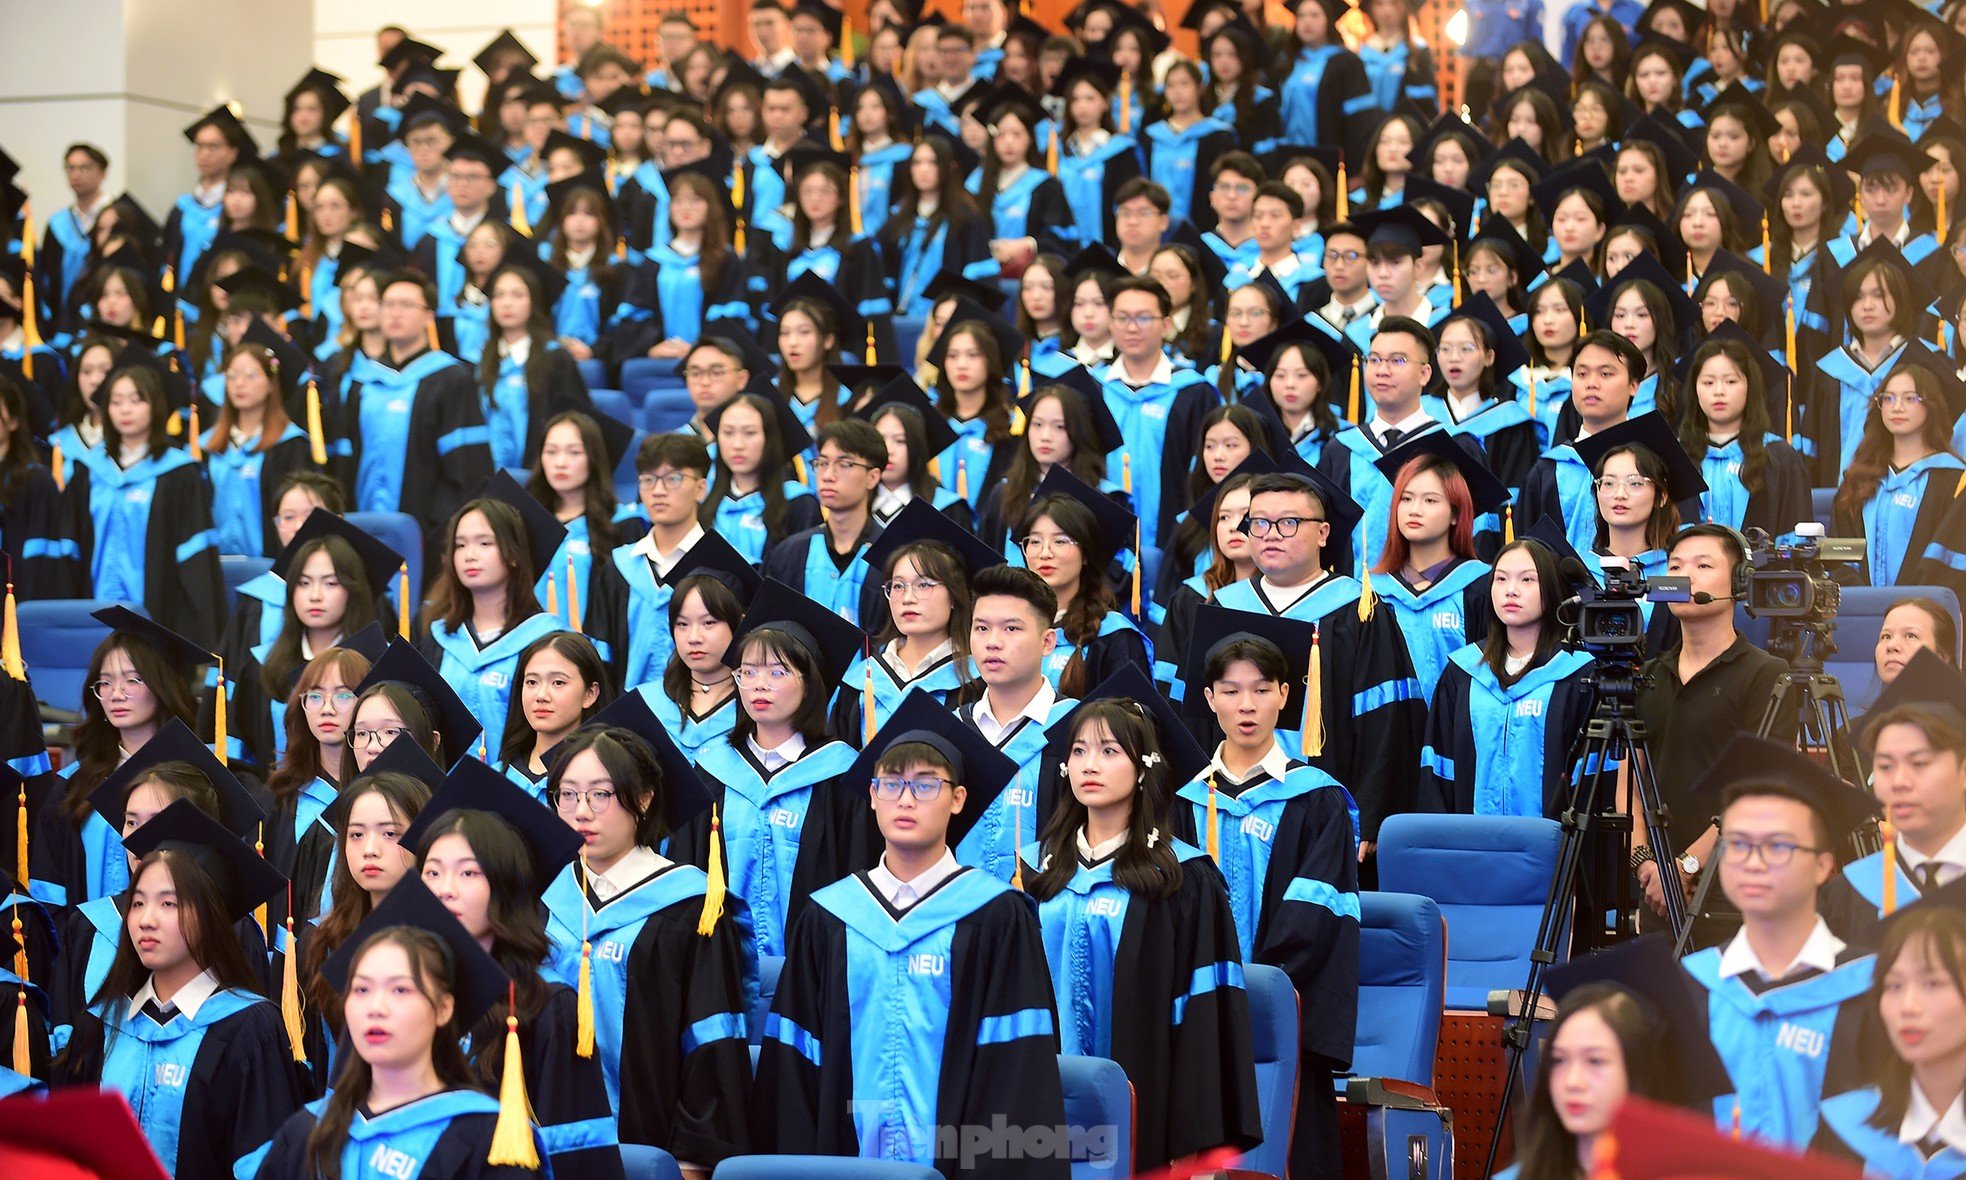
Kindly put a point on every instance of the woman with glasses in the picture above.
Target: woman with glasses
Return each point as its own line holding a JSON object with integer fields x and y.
{"x": 1902, "y": 490}
{"x": 561, "y": 684}
{"x": 385, "y": 712}
{"x": 309, "y": 776}
{"x": 1069, "y": 535}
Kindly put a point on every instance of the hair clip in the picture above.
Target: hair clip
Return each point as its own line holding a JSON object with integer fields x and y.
{"x": 1151, "y": 758}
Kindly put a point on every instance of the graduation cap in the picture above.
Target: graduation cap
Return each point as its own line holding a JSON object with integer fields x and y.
{"x": 949, "y": 284}
{"x": 738, "y": 72}
{"x": 1523, "y": 259}
{"x": 1010, "y": 341}
{"x": 804, "y": 155}
{"x": 1184, "y": 757}
{"x": 404, "y": 758}
{"x": 1450, "y": 125}
{"x": 811, "y": 91}
{"x": 1770, "y": 291}
{"x": 402, "y": 664}
{"x": 1756, "y": 761}
{"x": 1214, "y": 270}
{"x": 1888, "y": 152}
{"x": 1845, "y": 50}
{"x": 903, "y": 392}
{"x": 1253, "y": 38}
{"x": 1278, "y": 160}
{"x": 257, "y": 280}
{"x": 830, "y": 18}
{"x": 176, "y": 650}
{"x": 1253, "y": 464}
{"x": 1549, "y": 530}
{"x": 1774, "y": 374}
{"x": 1926, "y": 680}
{"x": 1690, "y": 15}
{"x": 833, "y": 642}
{"x": 326, "y": 87}
{"x": 135, "y": 221}
{"x": 1100, "y": 72}
{"x": 244, "y": 877}
{"x": 1516, "y": 153}
{"x": 1653, "y": 433}
{"x": 1752, "y": 107}
{"x": 1214, "y": 626}
{"x": 477, "y": 981}
{"x": 1674, "y": 1005}
{"x": 1200, "y": 8}
{"x": 864, "y": 379}
{"x": 380, "y": 563}
{"x": 175, "y": 742}
{"x": 1643, "y": 268}
{"x": 547, "y": 278}
{"x": 810, "y": 286}
{"x": 1400, "y": 227}
{"x": 1009, "y": 98}
{"x": 1556, "y": 88}
{"x": 1746, "y": 205}
{"x": 506, "y": 44}
{"x": 1510, "y": 353}
{"x": 685, "y": 795}
{"x": 544, "y": 532}
{"x": 714, "y": 557}
{"x": 919, "y": 521}
{"x": 1118, "y": 527}
{"x": 1338, "y": 350}
{"x": 792, "y": 433}
{"x": 228, "y": 125}
{"x": 1681, "y": 159}
{"x": 594, "y": 182}
{"x": 757, "y": 360}
{"x": 290, "y": 361}
{"x": 1488, "y": 492}
{"x": 420, "y": 108}
{"x": 1580, "y": 275}
{"x": 469, "y": 145}
{"x": 593, "y": 157}
{"x": 616, "y": 436}
{"x": 1153, "y": 42}
{"x": 980, "y": 768}
{"x": 1460, "y": 204}
{"x": 475, "y": 786}
{"x": 1095, "y": 258}
{"x": 1665, "y": 244}
{"x": 408, "y": 50}
{"x": 1080, "y": 381}
{"x": 1587, "y": 175}
{"x": 369, "y": 643}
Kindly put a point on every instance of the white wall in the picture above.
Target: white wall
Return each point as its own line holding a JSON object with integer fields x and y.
{"x": 344, "y": 34}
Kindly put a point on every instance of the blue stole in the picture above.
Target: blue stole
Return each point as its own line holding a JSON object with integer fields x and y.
{"x": 395, "y": 1144}
{"x": 1245, "y": 824}
{"x": 877, "y": 184}
{"x": 311, "y": 807}
{"x": 691, "y": 733}
{"x": 119, "y": 508}
{"x": 1883, "y": 1154}
{"x": 1508, "y": 726}
{"x": 1578, "y": 497}
{"x": 1433, "y": 620}
{"x": 1142, "y": 418}
{"x": 1064, "y": 649}
{"x": 967, "y": 460}
{"x": 763, "y": 819}
{"x": 679, "y": 292}
{"x": 387, "y": 397}
{"x": 572, "y": 565}
{"x": 324, "y": 298}
{"x": 650, "y": 643}
{"x": 482, "y": 676}
{"x": 197, "y": 226}
{"x": 767, "y": 190}
{"x": 76, "y": 249}
{"x": 1775, "y": 1044}
{"x": 896, "y": 1009}
{"x": 825, "y": 583}
{"x": 1891, "y": 514}
{"x": 1866, "y": 876}
{"x": 1300, "y": 94}
{"x": 450, "y": 276}
{"x": 1011, "y": 820}
{"x": 270, "y": 591}
{"x": 921, "y": 259}
{"x": 741, "y": 520}
{"x": 1384, "y": 70}
{"x": 236, "y": 494}
{"x": 1010, "y": 205}
{"x": 1726, "y": 500}
{"x": 577, "y": 314}
{"x": 1919, "y": 114}
{"x": 508, "y": 416}
{"x": 104, "y": 932}
{"x": 938, "y": 680}
{"x": 1084, "y": 179}
{"x": 1335, "y": 591}
{"x": 1373, "y": 493}
{"x": 1856, "y": 386}
{"x": 418, "y": 214}
{"x": 151, "y": 1063}
{"x": 471, "y": 331}
{"x": 1083, "y": 925}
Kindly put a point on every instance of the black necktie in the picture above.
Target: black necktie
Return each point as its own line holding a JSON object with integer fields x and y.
{"x": 161, "y": 1013}
{"x": 1928, "y": 876}
{"x": 1346, "y": 315}
{"x": 1393, "y": 435}
{"x": 1931, "y": 1145}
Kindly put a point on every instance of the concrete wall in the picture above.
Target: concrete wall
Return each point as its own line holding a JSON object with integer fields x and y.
{"x": 344, "y": 34}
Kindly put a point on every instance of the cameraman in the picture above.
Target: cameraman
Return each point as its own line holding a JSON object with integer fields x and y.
{"x": 1696, "y": 697}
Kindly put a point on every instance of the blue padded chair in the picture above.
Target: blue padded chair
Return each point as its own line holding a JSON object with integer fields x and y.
{"x": 57, "y": 637}
{"x": 1490, "y": 875}
{"x": 907, "y": 334}
{"x": 400, "y": 532}
{"x": 1099, "y": 1105}
{"x": 237, "y": 570}
{"x": 1820, "y": 501}
{"x": 645, "y": 373}
{"x": 642, "y": 1162}
{"x": 1273, "y": 1020}
{"x": 666, "y": 410}
{"x": 818, "y": 1167}
{"x": 593, "y": 374}
{"x": 617, "y": 405}
{"x": 1402, "y": 979}
{"x": 1858, "y": 622}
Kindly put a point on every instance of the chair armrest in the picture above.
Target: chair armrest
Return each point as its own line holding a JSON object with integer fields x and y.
{"x": 1391, "y": 1093}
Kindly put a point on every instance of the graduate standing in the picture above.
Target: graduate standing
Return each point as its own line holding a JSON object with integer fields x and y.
{"x": 828, "y": 562}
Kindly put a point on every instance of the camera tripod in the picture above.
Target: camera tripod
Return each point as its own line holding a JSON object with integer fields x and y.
{"x": 1615, "y": 733}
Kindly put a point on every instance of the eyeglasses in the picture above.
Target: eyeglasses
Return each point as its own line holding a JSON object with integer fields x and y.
{"x": 1245, "y": 314}
{"x": 673, "y": 480}
{"x": 1331, "y": 256}
{"x": 1396, "y": 361}
{"x": 1283, "y": 526}
{"x": 1458, "y": 351}
{"x": 598, "y": 800}
{"x": 1135, "y": 321}
{"x": 1058, "y": 544}
{"x": 1609, "y": 484}
{"x": 824, "y": 466}
{"x": 776, "y": 674}
{"x": 314, "y": 701}
{"x": 706, "y": 372}
{"x": 106, "y": 687}
{"x": 362, "y": 739}
{"x": 1735, "y": 850}
{"x": 1895, "y": 401}
{"x": 926, "y": 787}
{"x": 922, "y": 587}
{"x": 1720, "y": 303}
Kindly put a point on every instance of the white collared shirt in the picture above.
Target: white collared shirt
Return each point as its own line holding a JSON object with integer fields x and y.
{"x": 187, "y": 1001}
{"x": 889, "y": 501}
{"x": 1922, "y": 1121}
{"x": 1091, "y": 141}
{"x": 208, "y": 195}
{"x": 1038, "y": 709}
{"x": 1162, "y": 374}
{"x": 778, "y": 757}
{"x": 1819, "y": 952}
{"x": 1287, "y": 596}
{"x": 517, "y": 351}
{"x": 775, "y": 64}
{"x": 1463, "y": 407}
{"x": 664, "y": 562}
{"x": 1869, "y": 234}
{"x": 14, "y": 339}
{"x": 1101, "y": 850}
{"x": 580, "y": 259}
{"x": 1951, "y": 859}
{"x": 637, "y": 865}
{"x": 1335, "y": 311}
{"x": 902, "y": 894}
{"x": 1408, "y": 426}
{"x": 1276, "y": 764}
{"x": 892, "y": 653}
{"x": 464, "y": 225}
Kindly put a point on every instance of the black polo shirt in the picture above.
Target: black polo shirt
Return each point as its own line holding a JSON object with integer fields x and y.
{"x": 1688, "y": 725}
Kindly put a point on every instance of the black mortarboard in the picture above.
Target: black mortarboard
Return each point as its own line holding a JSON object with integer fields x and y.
{"x": 1510, "y": 354}
{"x": 810, "y": 286}
{"x": 1652, "y": 432}
{"x": 477, "y": 981}
{"x": 544, "y": 532}
{"x": 738, "y": 72}
{"x": 757, "y": 360}
{"x": 949, "y": 283}
{"x": 1340, "y": 509}
{"x": 1549, "y": 530}
{"x": 1844, "y": 50}
{"x": 1643, "y": 268}
{"x": 1588, "y": 175}
{"x": 1681, "y": 160}
{"x": 409, "y": 49}
{"x": 903, "y": 392}
{"x": 713, "y": 556}
{"x": 1450, "y": 124}
{"x": 919, "y": 521}
{"x": 1754, "y": 108}
{"x": 1788, "y": 771}
{"x": 1009, "y": 98}
{"x": 981, "y": 769}
{"x": 1082, "y": 383}
{"x": 830, "y": 18}
{"x": 1525, "y": 261}
{"x": 1153, "y": 42}
{"x": 860, "y": 379}
{"x": 684, "y": 793}
{"x": 369, "y": 643}
{"x": 1774, "y": 374}
{"x": 1553, "y": 87}
{"x": 1118, "y": 527}
{"x": 290, "y": 362}
{"x": 1488, "y": 492}
{"x": 550, "y": 280}
{"x": 616, "y": 436}
{"x": 221, "y": 117}
{"x": 1214, "y": 270}
{"x": 1214, "y": 625}
{"x": 833, "y": 642}
{"x": 593, "y": 157}
{"x": 1770, "y": 291}
{"x": 1689, "y": 14}
{"x": 1580, "y": 274}
{"x": 327, "y": 87}
{"x": 380, "y": 563}
{"x": 244, "y": 877}
{"x": 1926, "y": 680}
{"x": 252, "y": 277}
{"x": 469, "y": 145}
{"x": 1184, "y": 756}
{"x": 1333, "y": 9}
{"x": 176, "y": 649}
{"x": 560, "y": 191}
{"x": 1665, "y": 244}
{"x": 1095, "y": 258}
{"x": 815, "y": 94}
{"x": 1514, "y": 152}
{"x": 175, "y": 742}
{"x": 1277, "y": 161}
{"x": 1098, "y": 71}
{"x": 1401, "y": 226}
{"x": 1010, "y": 342}
{"x": 792, "y": 433}
{"x": 421, "y": 108}
{"x": 506, "y": 44}
{"x": 806, "y": 154}
{"x": 1747, "y": 206}
{"x": 1338, "y": 351}
{"x": 1255, "y": 463}
{"x": 475, "y": 786}
{"x": 1676, "y": 1006}
{"x": 1460, "y": 204}
{"x": 456, "y": 726}
{"x": 1888, "y": 151}
{"x": 407, "y": 759}
{"x": 1255, "y": 39}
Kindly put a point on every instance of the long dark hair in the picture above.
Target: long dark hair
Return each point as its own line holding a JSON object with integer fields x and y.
{"x": 773, "y": 464}
{"x": 415, "y": 710}
{"x": 450, "y": 602}
{"x": 301, "y": 764}
{"x": 149, "y": 383}
{"x": 539, "y": 330}
{"x": 74, "y": 407}
{"x": 1096, "y": 598}
{"x": 826, "y": 410}
{"x": 1664, "y": 520}
{"x": 597, "y": 497}
{"x": 996, "y": 396}
{"x": 1323, "y": 417}
{"x": 515, "y": 746}
{"x": 284, "y": 658}
{"x": 430, "y": 962}
{"x": 20, "y": 442}
{"x": 914, "y": 434}
{"x": 1248, "y": 124}
{"x": 715, "y": 252}
{"x": 1944, "y": 934}
{"x": 1873, "y": 455}
{"x": 1193, "y": 535}
{"x": 722, "y": 602}
{"x": 1087, "y": 462}
{"x": 207, "y": 933}
{"x": 935, "y": 560}
{"x": 350, "y": 903}
{"x": 1549, "y": 584}
{"x": 1549, "y": 1150}
{"x": 1192, "y": 340}
{"x": 594, "y": 201}
{"x": 1146, "y": 863}
{"x": 953, "y": 203}
{"x": 1693, "y": 427}
{"x": 98, "y": 749}
{"x": 1374, "y": 178}
{"x": 801, "y": 224}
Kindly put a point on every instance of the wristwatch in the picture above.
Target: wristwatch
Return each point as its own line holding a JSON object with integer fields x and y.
{"x": 1640, "y": 856}
{"x": 1690, "y": 865}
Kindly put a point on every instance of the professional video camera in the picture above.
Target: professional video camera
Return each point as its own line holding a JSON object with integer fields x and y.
{"x": 1609, "y": 621}
{"x": 1792, "y": 580}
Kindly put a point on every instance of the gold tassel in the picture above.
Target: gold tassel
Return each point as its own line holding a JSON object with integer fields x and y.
{"x": 846, "y": 42}
{"x": 1939, "y": 230}
{"x": 517, "y": 214}
{"x": 573, "y": 598}
{"x": 1352, "y": 402}
{"x": 1457, "y": 270}
{"x": 196, "y": 440}
{"x": 20, "y": 839}
{"x": 293, "y": 218}
{"x": 10, "y": 657}
{"x": 30, "y": 327}
{"x": 1366, "y": 599}
{"x": 1857, "y": 207}
{"x": 317, "y": 440}
{"x": 1583, "y": 326}
{"x": 833, "y": 129}
{"x": 1313, "y": 734}
{"x": 621, "y": 249}
{"x": 1689, "y": 272}
{"x": 169, "y": 280}
{"x": 511, "y": 1143}
{"x": 1508, "y": 525}
{"x": 355, "y": 137}
{"x": 1023, "y": 387}
{"x": 1889, "y": 904}
{"x": 1016, "y": 853}
{"x": 20, "y": 960}
{"x": 1136, "y": 567}
{"x": 1604, "y": 1153}
{"x": 868, "y": 725}
{"x": 1051, "y": 153}
{"x": 1214, "y": 833}
{"x": 58, "y": 467}
{"x": 1126, "y": 473}
{"x": 1736, "y": 1129}
{"x": 290, "y": 990}
{"x": 403, "y": 600}
{"x": 1767, "y": 250}
{"x": 430, "y": 335}
{"x": 962, "y": 479}
{"x": 583, "y": 1008}
{"x": 737, "y": 237}
{"x": 259, "y": 911}
{"x": 552, "y": 594}
{"x": 873, "y": 354}
{"x": 307, "y": 292}
{"x": 1532, "y": 390}
{"x": 1959, "y": 489}
{"x": 853, "y": 202}
{"x": 1228, "y": 346}
{"x": 1897, "y": 113}
{"x": 1126, "y": 102}
{"x": 220, "y": 731}
{"x": 713, "y": 889}
{"x": 482, "y": 756}
{"x": 1344, "y": 194}
{"x": 23, "y": 1064}
{"x": 388, "y": 221}
{"x": 737, "y": 189}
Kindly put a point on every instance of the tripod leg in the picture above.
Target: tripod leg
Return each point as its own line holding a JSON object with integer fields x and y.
{"x": 1708, "y": 875}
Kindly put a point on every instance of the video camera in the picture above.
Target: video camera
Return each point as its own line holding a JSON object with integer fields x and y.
{"x": 1791, "y": 580}
{"x": 1609, "y": 620}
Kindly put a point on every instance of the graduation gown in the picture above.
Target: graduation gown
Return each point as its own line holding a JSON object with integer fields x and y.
{"x": 1164, "y": 419}
{"x": 483, "y": 674}
{"x": 628, "y": 619}
{"x": 890, "y": 1028}
{"x": 1852, "y": 902}
{"x": 572, "y": 1119}
{"x": 1915, "y": 524}
{"x": 690, "y": 732}
{"x": 882, "y": 673}
{"x": 1494, "y": 750}
{"x": 31, "y": 530}
{"x": 1157, "y": 986}
{"x": 1181, "y": 161}
{"x": 666, "y": 297}
{"x": 1324, "y": 98}
{"x": 1119, "y": 642}
{"x": 421, "y": 440}
{"x": 1503, "y": 430}
{"x": 1031, "y": 206}
{"x": 1846, "y": 1130}
{"x": 1838, "y": 402}
{"x": 1781, "y": 501}
{"x": 1010, "y": 820}
{"x": 144, "y": 534}
{"x": 1440, "y": 620}
{"x": 207, "y": 1090}
{"x": 1091, "y": 180}
{"x": 785, "y": 833}
{"x": 520, "y": 404}
{"x": 1372, "y": 706}
{"x": 1171, "y": 636}
{"x": 1559, "y": 486}
{"x": 246, "y": 489}
{"x": 189, "y": 231}
{"x": 915, "y": 250}
{"x": 741, "y": 520}
{"x": 302, "y": 844}
{"x": 443, "y": 1137}
{"x": 807, "y": 562}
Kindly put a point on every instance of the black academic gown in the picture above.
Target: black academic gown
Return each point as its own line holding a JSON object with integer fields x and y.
{"x": 435, "y": 483}
{"x": 459, "y": 1153}
{"x": 562, "y": 1087}
{"x": 996, "y": 970}
{"x": 187, "y": 596}
{"x": 966, "y": 241}
{"x": 1783, "y": 499}
{"x": 31, "y": 532}
{"x": 282, "y": 459}
{"x": 1941, "y": 518}
{"x": 646, "y": 328}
